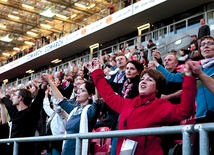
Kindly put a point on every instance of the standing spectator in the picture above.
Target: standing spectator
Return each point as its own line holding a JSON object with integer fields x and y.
{"x": 56, "y": 122}
{"x": 24, "y": 115}
{"x": 111, "y": 8}
{"x": 151, "y": 45}
{"x": 204, "y": 97}
{"x": 4, "y": 129}
{"x": 153, "y": 111}
{"x": 173, "y": 94}
{"x": 204, "y": 30}
{"x": 82, "y": 117}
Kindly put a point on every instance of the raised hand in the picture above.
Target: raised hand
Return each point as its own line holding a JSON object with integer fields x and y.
{"x": 195, "y": 67}
{"x": 94, "y": 65}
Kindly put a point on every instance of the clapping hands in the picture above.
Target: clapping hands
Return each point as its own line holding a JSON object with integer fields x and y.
{"x": 94, "y": 65}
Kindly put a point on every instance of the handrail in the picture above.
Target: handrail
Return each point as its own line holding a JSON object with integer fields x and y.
{"x": 186, "y": 131}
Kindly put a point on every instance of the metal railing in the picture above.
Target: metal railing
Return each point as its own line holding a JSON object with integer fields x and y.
{"x": 185, "y": 130}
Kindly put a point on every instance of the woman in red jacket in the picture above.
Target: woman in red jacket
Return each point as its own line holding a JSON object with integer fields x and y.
{"x": 147, "y": 109}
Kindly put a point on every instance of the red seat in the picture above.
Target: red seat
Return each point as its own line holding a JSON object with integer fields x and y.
{"x": 102, "y": 146}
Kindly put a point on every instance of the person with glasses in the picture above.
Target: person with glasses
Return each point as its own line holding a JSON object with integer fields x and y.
{"x": 24, "y": 115}
{"x": 82, "y": 116}
{"x": 204, "y": 97}
{"x": 147, "y": 109}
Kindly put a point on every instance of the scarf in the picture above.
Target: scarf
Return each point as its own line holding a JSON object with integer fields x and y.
{"x": 206, "y": 63}
{"x": 83, "y": 124}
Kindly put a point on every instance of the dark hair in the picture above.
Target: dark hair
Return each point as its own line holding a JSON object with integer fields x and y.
{"x": 185, "y": 51}
{"x": 90, "y": 87}
{"x": 159, "y": 79}
{"x": 27, "y": 96}
{"x": 206, "y": 37}
{"x": 137, "y": 64}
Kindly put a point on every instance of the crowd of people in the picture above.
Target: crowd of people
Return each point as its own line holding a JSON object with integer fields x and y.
{"x": 120, "y": 91}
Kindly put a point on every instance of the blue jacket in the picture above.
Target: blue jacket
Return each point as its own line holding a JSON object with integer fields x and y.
{"x": 204, "y": 98}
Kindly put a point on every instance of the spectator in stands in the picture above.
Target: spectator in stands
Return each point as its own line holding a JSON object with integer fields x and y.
{"x": 24, "y": 115}
{"x": 157, "y": 56}
{"x": 204, "y": 29}
{"x": 130, "y": 86}
{"x": 82, "y": 117}
{"x": 144, "y": 61}
{"x": 111, "y": 8}
{"x": 151, "y": 65}
{"x": 68, "y": 89}
{"x": 172, "y": 93}
{"x": 184, "y": 55}
{"x": 194, "y": 53}
{"x": 56, "y": 122}
{"x": 174, "y": 52}
{"x": 205, "y": 79}
{"x": 153, "y": 111}
{"x": 173, "y": 89}
{"x": 204, "y": 97}
{"x": 151, "y": 45}
{"x": 4, "y": 129}
{"x": 194, "y": 40}
{"x": 78, "y": 81}
{"x": 135, "y": 56}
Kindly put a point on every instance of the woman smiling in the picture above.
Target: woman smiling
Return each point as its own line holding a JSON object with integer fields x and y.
{"x": 147, "y": 109}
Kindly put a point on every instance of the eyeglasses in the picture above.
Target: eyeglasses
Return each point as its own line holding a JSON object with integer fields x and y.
{"x": 81, "y": 90}
{"x": 208, "y": 44}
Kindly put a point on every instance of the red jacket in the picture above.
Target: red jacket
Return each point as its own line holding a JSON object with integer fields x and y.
{"x": 139, "y": 114}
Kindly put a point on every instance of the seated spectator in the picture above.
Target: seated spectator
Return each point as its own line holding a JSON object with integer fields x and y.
{"x": 194, "y": 41}
{"x": 184, "y": 54}
{"x": 160, "y": 111}
{"x": 82, "y": 117}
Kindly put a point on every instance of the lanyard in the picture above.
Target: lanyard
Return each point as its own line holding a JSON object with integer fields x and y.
{"x": 119, "y": 77}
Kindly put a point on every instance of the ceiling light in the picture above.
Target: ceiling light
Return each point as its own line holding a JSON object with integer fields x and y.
{"x": 74, "y": 15}
{"x": 4, "y": 0}
{"x": 61, "y": 16}
{"x": 5, "y": 81}
{"x": 143, "y": 27}
{"x": 29, "y": 71}
{"x": 5, "y": 54}
{"x": 45, "y": 25}
{"x": 48, "y": 13}
{"x": 13, "y": 17}
{"x": 16, "y": 48}
{"x": 56, "y": 61}
{"x": 91, "y": 6}
{"x": 29, "y": 43}
{"x": 27, "y": 6}
{"x": 31, "y": 33}
{"x": 80, "y": 5}
{"x": 6, "y": 38}
{"x": 3, "y": 26}
{"x": 94, "y": 46}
